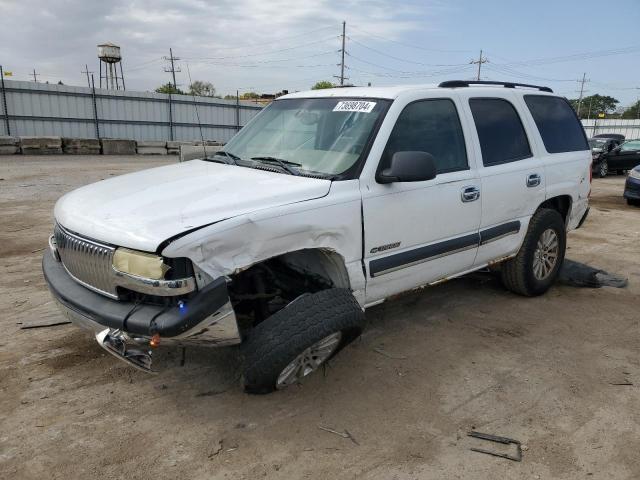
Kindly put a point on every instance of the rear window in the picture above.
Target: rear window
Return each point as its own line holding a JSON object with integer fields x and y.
{"x": 560, "y": 129}
{"x": 500, "y": 131}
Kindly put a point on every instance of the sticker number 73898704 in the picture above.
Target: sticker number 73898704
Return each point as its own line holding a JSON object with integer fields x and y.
{"x": 354, "y": 106}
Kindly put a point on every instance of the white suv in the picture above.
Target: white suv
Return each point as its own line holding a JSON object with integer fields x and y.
{"x": 326, "y": 203}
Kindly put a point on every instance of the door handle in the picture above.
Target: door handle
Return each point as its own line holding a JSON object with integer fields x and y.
{"x": 470, "y": 194}
{"x": 534, "y": 180}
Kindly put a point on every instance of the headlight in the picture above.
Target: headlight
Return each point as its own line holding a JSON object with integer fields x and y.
{"x": 141, "y": 264}
{"x": 634, "y": 174}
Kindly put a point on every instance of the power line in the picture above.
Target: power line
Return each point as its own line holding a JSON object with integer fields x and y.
{"x": 402, "y": 59}
{"x": 257, "y": 63}
{"x": 278, "y": 40}
{"x": 323, "y": 40}
{"x": 581, "y": 82}
{"x": 575, "y": 57}
{"x": 173, "y": 70}
{"x": 86, "y": 70}
{"x": 479, "y": 62}
{"x": 408, "y": 44}
{"x": 342, "y": 53}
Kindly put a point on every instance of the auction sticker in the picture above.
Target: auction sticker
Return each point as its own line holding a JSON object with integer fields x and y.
{"x": 354, "y": 106}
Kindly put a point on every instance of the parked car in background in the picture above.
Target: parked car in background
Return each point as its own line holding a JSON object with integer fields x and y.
{"x": 617, "y": 136}
{"x": 624, "y": 157}
{"x": 600, "y": 146}
{"x": 632, "y": 187}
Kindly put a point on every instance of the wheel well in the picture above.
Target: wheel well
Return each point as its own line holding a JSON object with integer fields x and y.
{"x": 561, "y": 203}
{"x": 268, "y": 286}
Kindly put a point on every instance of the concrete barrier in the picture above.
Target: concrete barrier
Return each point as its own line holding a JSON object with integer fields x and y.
{"x": 40, "y": 145}
{"x": 173, "y": 147}
{"x": 151, "y": 147}
{"x": 191, "y": 152}
{"x": 81, "y": 146}
{"x": 9, "y": 145}
{"x": 112, "y": 146}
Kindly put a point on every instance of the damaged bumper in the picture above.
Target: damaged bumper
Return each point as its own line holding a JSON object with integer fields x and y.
{"x": 207, "y": 318}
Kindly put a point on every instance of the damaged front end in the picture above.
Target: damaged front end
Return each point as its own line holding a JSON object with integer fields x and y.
{"x": 130, "y": 314}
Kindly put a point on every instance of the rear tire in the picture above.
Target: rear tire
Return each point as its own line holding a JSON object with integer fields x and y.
{"x": 327, "y": 321}
{"x": 633, "y": 202}
{"x": 536, "y": 266}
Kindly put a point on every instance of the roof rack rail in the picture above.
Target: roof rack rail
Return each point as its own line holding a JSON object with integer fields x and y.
{"x": 467, "y": 83}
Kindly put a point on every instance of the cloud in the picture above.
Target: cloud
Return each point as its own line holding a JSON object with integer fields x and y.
{"x": 57, "y": 38}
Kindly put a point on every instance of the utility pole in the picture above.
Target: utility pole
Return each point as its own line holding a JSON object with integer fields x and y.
{"x": 35, "y": 76}
{"x": 86, "y": 70}
{"x": 342, "y": 51}
{"x": 479, "y": 62}
{"x": 582, "y": 91}
{"x": 173, "y": 69}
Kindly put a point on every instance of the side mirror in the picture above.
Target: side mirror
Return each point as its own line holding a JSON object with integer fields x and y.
{"x": 409, "y": 167}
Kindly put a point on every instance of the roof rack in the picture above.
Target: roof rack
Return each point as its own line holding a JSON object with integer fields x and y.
{"x": 467, "y": 83}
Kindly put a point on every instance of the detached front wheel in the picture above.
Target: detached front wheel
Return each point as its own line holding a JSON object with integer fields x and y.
{"x": 297, "y": 340}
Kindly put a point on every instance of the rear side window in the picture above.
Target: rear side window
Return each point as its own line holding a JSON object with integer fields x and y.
{"x": 557, "y": 123}
{"x": 502, "y": 136}
{"x": 430, "y": 126}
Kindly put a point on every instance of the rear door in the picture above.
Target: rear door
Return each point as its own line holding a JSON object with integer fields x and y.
{"x": 511, "y": 176}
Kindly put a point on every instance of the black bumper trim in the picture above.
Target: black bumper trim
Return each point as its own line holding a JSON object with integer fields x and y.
{"x": 495, "y": 233}
{"x": 112, "y": 313}
{"x": 383, "y": 265}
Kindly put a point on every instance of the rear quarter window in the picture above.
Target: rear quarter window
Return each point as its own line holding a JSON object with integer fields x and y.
{"x": 559, "y": 127}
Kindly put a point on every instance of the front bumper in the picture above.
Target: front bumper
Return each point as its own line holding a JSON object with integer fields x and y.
{"x": 207, "y": 318}
{"x": 632, "y": 189}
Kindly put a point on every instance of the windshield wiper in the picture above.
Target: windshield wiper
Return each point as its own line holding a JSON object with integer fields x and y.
{"x": 284, "y": 164}
{"x": 234, "y": 158}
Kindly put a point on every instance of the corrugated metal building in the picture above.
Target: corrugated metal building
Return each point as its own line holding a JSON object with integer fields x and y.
{"x": 43, "y": 109}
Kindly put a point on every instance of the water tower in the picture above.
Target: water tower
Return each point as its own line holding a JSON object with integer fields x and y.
{"x": 109, "y": 55}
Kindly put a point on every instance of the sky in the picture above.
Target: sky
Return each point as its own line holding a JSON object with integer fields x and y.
{"x": 267, "y": 46}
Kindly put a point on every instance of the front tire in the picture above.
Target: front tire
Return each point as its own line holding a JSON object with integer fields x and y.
{"x": 603, "y": 169}
{"x": 297, "y": 340}
{"x": 537, "y": 265}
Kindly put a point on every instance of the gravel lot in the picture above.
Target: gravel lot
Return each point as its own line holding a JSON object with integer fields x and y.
{"x": 430, "y": 367}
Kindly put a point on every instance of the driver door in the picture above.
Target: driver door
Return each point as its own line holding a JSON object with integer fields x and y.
{"x": 421, "y": 232}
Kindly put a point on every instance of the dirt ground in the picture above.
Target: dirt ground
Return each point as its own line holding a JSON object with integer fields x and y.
{"x": 431, "y": 366}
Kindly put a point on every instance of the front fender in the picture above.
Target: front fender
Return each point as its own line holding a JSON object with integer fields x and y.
{"x": 331, "y": 223}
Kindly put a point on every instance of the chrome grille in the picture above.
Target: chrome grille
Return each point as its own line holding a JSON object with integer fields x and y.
{"x": 89, "y": 262}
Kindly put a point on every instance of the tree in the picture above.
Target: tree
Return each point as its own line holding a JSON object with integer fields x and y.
{"x": 169, "y": 88}
{"x": 202, "y": 89}
{"x": 229, "y": 97}
{"x": 322, "y": 84}
{"x": 249, "y": 96}
{"x": 633, "y": 111}
{"x": 594, "y": 104}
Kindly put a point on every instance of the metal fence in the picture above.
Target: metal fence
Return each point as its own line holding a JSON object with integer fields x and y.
{"x": 629, "y": 128}
{"x": 30, "y": 108}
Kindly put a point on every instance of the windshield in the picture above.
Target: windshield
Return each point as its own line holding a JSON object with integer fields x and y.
{"x": 323, "y": 135}
{"x": 631, "y": 145}
{"x": 597, "y": 142}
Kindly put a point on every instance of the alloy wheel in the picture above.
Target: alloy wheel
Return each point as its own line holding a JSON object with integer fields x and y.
{"x": 309, "y": 360}
{"x": 545, "y": 256}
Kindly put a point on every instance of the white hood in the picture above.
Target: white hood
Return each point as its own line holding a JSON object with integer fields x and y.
{"x": 141, "y": 210}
